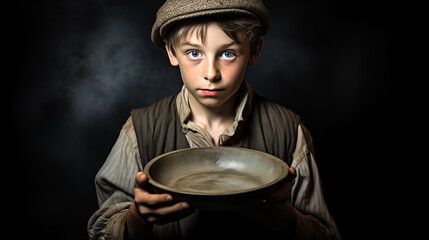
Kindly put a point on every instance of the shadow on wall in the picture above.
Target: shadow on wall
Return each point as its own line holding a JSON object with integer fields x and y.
{"x": 88, "y": 63}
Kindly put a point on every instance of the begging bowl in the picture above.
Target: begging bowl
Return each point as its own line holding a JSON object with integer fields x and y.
{"x": 216, "y": 178}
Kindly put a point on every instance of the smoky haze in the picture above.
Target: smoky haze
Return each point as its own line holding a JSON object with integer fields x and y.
{"x": 83, "y": 65}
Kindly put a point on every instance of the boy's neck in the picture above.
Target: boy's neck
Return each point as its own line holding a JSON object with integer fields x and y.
{"x": 214, "y": 120}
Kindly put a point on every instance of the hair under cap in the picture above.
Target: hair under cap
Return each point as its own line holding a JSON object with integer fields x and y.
{"x": 174, "y": 10}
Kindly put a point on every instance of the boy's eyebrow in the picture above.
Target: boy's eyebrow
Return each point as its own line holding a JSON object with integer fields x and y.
{"x": 199, "y": 45}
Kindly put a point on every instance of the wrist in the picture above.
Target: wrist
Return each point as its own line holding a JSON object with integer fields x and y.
{"x": 136, "y": 227}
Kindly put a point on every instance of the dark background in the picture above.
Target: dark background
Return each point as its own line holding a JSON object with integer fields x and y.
{"x": 80, "y": 66}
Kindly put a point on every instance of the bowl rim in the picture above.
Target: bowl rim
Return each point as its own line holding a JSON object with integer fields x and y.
{"x": 156, "y": 184}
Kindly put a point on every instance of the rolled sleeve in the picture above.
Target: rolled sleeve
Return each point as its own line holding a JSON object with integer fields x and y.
{"x": 114, "y": 186}
{"x": 307, "y": 195}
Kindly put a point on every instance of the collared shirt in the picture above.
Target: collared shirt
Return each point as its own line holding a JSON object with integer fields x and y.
{"x": 115, "y": 180}
{"x": 200, "y": 137}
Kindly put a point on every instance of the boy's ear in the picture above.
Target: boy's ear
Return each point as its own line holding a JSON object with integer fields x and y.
{"x": 171, "y": 56}
{"x": 252, "y": 59}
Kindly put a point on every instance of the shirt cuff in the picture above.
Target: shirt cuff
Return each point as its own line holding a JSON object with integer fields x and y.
{"x": 116, "y": 225}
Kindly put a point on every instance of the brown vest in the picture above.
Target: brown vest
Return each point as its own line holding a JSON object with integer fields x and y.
{"x": 270, "y": 128}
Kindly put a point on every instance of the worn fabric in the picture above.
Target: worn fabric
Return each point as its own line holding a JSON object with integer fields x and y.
{"x": 175, "y": 10}
{"x": 115, "y": 179}
{"x": 199, "y": 135}
{"x": 269, "y": 128}
{"x": 159, "y": 132}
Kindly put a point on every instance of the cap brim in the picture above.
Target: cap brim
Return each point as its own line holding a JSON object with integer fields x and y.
{"x": 159, "y": 32}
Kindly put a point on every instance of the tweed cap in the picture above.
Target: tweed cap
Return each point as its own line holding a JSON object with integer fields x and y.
{"x": 175, "y": 10}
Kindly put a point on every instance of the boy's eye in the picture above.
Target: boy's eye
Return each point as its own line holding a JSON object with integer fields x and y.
{"x": 228, "y": 55}
{"x": 194, "y": 54}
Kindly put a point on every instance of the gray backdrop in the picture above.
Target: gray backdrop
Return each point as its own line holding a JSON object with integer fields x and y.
{"x": 80, "y": 66}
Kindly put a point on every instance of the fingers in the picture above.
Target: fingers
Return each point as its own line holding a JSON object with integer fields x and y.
{"x": 151, "y": 200}
{"x": 143, "y": 193}
{"x": 161, "y": 210}
{"x": 166, "y": 214}
{"x": 157, "y": 208}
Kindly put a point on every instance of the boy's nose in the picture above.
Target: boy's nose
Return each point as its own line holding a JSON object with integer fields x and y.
{"x": 211, "y": 72}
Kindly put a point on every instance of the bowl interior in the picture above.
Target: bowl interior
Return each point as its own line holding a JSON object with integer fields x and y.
{"x": 215, "y": 170}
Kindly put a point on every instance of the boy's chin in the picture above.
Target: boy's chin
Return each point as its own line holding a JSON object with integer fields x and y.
{"x": 212, "y": 102}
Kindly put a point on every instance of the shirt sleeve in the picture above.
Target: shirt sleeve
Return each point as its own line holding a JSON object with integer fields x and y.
{"x": 307, "y": 196}
{"x": 114, "y": 186}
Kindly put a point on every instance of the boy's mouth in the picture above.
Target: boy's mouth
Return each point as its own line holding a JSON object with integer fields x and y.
{"x": 211, "y": 92}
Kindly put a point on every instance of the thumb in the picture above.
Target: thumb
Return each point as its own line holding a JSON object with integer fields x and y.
{"x": 141, "y": 181}
{"x": 291, "y": 175}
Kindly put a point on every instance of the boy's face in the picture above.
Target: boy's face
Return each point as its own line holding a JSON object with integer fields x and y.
{"x": 214, "y": 70}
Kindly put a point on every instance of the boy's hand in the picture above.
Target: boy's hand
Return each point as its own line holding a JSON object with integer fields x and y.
{"x": 276, "y": 212}
{"x": 149, "y": 208}
{"x": 157, "y": 208}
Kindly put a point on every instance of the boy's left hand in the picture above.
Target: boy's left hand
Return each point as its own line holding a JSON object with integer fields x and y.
{"x": 276, "y": 212}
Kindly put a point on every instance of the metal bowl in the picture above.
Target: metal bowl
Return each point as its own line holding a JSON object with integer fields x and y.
{"x": 216, "y": 178}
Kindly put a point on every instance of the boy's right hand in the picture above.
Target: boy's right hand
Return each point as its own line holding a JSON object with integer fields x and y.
{"x": 149, "y": 208}
{"x": 157, "y": 208}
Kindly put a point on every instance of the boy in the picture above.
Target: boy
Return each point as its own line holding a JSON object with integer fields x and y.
{"x": 212, "y": 42}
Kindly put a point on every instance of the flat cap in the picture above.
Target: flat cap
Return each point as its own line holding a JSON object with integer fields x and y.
{"x": 174, "y": 10}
